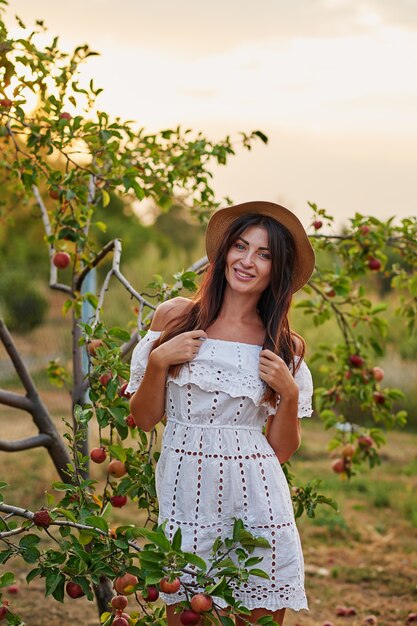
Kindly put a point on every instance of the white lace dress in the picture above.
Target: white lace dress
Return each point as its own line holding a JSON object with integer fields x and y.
{"x": 216, "y": 465}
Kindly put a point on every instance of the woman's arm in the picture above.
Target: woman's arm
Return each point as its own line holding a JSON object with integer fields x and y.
{"x": 147, "y": 404}
{"x": 283, "y": 430}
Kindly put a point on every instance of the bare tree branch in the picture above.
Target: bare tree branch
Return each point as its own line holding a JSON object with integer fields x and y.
{"x": 116, "y": 271}
{"x": 17, "y": 361}
{"x": 26, "y": 444}
{"x": 50, "y": 436}
{"x": 198, "y": 267}
{"x": 16, "y": 510}
{"x": 53, "y": 271}
{"x": 99, "y": 257}
{"x": 15, "y": 400}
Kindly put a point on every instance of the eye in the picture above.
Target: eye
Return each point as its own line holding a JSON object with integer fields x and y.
{"x": 265, "y": 255}
{"x": 239, "y": 245}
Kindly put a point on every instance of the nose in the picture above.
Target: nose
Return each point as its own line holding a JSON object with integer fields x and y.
{"x": 247, "y": 258}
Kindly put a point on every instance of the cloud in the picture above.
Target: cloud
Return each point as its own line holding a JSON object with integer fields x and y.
{"x": 193, "y": 29}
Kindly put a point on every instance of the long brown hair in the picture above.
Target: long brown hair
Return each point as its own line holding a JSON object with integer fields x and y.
{"x": 273, "y": 305}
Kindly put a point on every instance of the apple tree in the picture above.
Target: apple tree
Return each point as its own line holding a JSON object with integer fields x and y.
{"x": 67, "y": 157}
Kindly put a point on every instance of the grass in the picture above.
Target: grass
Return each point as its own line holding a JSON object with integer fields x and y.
{"x": 363, "y": 555}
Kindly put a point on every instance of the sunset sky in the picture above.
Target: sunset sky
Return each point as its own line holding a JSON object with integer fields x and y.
{"x": 331, "y": 82}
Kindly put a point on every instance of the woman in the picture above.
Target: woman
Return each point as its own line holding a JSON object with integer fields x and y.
{"x": 221, "y": 367}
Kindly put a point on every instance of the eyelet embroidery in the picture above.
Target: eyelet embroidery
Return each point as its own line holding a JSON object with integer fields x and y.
{"x": 213, "y": 444}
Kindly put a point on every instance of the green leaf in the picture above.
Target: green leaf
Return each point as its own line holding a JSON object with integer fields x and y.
{"x": 97, "y": 522}
{"x": 105, "y": 197}
{"x": 33, "y": 573}
{"x": 193, "y": 559}
{"x": 119, "y": 333}
{"x": 177, "y": 540}
{"x": 226, "y": 621}
{"x": 118, "y": 452}
{"x": 261, "y": 136}
{"x": 158, "y": 538}
{"x": 85, "y": 537}
{"x": 258, "y": 572}
{"x": 7, "y": 579}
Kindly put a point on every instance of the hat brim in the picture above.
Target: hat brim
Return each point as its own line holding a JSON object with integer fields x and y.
{"x": 221, "y": 220}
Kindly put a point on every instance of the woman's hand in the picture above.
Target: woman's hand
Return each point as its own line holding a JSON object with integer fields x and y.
{"x": 179, "y": 349}
{"x": 274, "y": 371}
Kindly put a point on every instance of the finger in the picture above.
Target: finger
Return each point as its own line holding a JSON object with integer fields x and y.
{"x": 268, "y": 353}
{"x": 197, "y": 334}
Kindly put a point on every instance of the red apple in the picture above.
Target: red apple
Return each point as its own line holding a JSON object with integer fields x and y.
{"x": 61, "y": 260}
{"x": 317, "y": 224}
{"x": 378, "y": 373}
{"x": 118, "y": 501}
{"x": 365, "y": 441}
{"x": 54, "y": 194}
{"x": 356, "y": 360}
{"x": 3, "y": 611}
{"x": 6, "y": 103}
{"x": 169, "y": 587}
{"x": 150, "y": 594}
{"x": 201, "y": 602}
{"x": 374, "y": 264}
{"x": 412, "y": 617}
{"x": 65, "y": 116}
{"x": 348, "y": 375}
{"x": 364, "y": 229}
{"x": 330, "y": 292}
{"x": 371, "y": 620}
{"x": 341, "y": 611}
{"x": 327, "y": 624}
{"x": 189, "y": 617}
{"x": 13, "y": 589}
{"x": 42, "y": 518}
{"x": 74, "y": 590}
{"x": 339, "y": 466}
{"x": 105, "y": 379}
{"x": 117, "y": 468}
{"x": 122, "y": 391}
{"x": 120, "y": 621}
{"x": 98, "y": 455}
{"x": 378, "y": 397}
{"x": 350, "y": 611}
{"x": 125, "y": 584}
{"x": 130, "y": 421}
{"x": 119, "y": 602}
{"x": 93, "y": 345}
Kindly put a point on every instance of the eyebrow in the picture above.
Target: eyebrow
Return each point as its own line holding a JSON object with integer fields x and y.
{"x": 247, "y": 243}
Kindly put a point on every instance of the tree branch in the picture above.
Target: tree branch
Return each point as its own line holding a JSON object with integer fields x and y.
{"x": 99, "y": 256}
{"x": 17, "y": 361}
{"x": 46, "y": 427}
{"x": 116, "y": 271}
{"x": 53, "y": 271}
{"x": 15, "y": 400}
{"x": 26, "y": 444}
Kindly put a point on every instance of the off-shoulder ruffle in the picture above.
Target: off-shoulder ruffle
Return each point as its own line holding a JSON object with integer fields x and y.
{"x": 227, "y": 366}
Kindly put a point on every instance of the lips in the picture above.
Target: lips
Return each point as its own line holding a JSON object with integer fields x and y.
{"x": 242, "y": 275}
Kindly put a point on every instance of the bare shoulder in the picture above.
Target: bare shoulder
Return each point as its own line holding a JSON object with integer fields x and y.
{"x": 299, "y": 344}
{"x": 167, "y": 311}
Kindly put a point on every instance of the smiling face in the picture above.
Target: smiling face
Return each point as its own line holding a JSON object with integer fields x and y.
{"x": 248, "y": 261}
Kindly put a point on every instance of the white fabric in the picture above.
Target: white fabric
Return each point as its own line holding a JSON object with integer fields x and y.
{"x": 217, "y": 465}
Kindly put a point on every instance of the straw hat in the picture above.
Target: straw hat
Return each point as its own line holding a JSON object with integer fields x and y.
{"x": 220, "y": 221}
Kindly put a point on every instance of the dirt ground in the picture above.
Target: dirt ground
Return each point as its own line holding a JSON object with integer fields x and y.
{"x": 364, "y": 556}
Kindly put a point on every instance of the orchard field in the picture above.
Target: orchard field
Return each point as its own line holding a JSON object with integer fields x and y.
{"x": 363, "y": 556}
